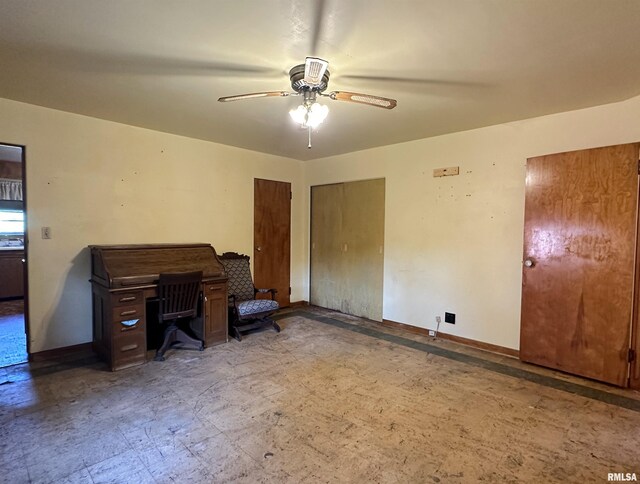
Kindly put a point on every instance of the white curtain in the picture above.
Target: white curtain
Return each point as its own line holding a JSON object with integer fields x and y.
{"x": 10, "y": 189}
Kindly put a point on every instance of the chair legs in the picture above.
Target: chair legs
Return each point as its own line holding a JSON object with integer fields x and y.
{"x": 173, "y": 335}
{"x": 240, "y": 326}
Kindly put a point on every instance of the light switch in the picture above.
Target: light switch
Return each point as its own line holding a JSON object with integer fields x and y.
{"x": 46, "y": 232}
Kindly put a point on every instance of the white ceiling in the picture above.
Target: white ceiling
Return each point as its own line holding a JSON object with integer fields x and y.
{"x": 451, "y": 64}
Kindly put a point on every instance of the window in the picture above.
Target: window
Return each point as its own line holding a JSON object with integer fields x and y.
{"x": 11, "y": 222}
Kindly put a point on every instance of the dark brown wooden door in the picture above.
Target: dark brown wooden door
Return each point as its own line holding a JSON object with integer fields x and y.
{"x": 578, "y": 271}
{"x": 272, "y": 237}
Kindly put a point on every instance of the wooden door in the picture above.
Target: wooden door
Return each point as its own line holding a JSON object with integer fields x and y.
{"x": 347, "y": 256}
{"x": 272, "y": 237}
{"x": 578, "y": 271}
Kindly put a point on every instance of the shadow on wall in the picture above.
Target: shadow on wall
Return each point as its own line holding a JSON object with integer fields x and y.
{"x": 69, "y": 322}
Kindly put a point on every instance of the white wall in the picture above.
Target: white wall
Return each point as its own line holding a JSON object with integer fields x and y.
{"x": 98, "y": 182}
{"x": 452, "y": 244}
{"x": 455, "y": 243}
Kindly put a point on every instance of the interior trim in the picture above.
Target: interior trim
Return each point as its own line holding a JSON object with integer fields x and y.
{"x": 298, "y": 304}
{"x": 503, "y": 350}
{"x": 83, "y": 349}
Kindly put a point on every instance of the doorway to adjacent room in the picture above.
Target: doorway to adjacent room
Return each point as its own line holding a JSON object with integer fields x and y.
{"x": 13, "y": 328}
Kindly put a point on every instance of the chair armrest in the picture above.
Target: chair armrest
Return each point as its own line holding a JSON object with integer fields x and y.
{"x": 232, "y": 299}
{"x": 264, "y": 291}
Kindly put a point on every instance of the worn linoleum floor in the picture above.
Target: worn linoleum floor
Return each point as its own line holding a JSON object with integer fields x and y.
{"x": 314, "y": 403}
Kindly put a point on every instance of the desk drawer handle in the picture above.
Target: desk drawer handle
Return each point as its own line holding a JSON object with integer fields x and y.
{"x": 128, "y": 298}
{"x": 213, "y": 288}
{"x": 129, "y": 325}
{"x": 129, "y": 347}
{"x": 128, "y": 313}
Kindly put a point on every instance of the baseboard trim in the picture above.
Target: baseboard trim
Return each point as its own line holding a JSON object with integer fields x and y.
{"x": 298, "y": 304}
{"x": 456, "y": 339}
{"x": 84, "y": 349}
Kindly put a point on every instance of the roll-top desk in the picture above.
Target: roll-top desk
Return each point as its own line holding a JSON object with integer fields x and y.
{"x": 124, "y": 280}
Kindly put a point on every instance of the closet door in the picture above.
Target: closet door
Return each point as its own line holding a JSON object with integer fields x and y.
{"x": 347, "y": 254}
{"x": 327, "y": 278}
{"x": 579, "y": 250}
{"x": 363, "y": 254}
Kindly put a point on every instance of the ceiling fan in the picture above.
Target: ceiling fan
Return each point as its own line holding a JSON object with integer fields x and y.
{"x": 310, "y": 80}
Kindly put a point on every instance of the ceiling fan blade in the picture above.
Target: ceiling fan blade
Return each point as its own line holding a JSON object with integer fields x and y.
{"x": 317, "y": 26}
{"x": 84, "y": 60}
{"x": 407, "y": 80}
{"x": 354, "y": 97}
{"x": 314, "y": 69}
{"x": 444, "y": 86}
{"x": 253, "y": 95}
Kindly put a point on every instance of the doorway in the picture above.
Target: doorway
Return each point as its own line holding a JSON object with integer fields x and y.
{"x": 347, "y": 247}
{"x": 580, "y": 261}
{"x": 272, "y": 238}
{"x": 13, "y": 327}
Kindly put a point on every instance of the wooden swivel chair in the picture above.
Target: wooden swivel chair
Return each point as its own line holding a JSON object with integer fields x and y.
{"x": 246, "y": 312}
{"x": 178, "y": 293}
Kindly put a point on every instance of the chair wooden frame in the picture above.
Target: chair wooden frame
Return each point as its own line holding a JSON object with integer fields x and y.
{"x": 178, "y": 293}
{"x": 239, "y": 323}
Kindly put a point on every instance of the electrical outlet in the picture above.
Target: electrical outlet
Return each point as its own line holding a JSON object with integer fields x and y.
{"x": 46, "y": 232}
{"x": 438, "y": 319}
{"x": 450, "y": 318}
{"x": 432, "y": 332}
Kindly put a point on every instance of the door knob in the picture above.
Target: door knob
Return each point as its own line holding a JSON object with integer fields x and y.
{"x": 529, "y": 263}
{"x": 258, "y": 249}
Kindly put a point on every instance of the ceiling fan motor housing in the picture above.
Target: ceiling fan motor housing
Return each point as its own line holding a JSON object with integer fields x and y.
{"x": 299, "y": 85}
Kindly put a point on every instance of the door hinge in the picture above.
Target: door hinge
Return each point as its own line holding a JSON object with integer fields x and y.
{"x": 289, "y": 290}
{"x": 638, "y": 167}
{"x": 631, "y": 355}
{"x": 291, "y": 193}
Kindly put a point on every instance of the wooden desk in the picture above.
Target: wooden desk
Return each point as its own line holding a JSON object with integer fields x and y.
{"x": 124, "y": 279}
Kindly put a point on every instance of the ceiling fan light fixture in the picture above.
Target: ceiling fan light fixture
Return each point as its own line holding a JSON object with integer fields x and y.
{"x": 299, "y": 115}
{"x": 317, "y": 114}
{"x": 309, "y": 116}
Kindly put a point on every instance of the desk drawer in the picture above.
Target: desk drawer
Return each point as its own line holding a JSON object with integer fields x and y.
{"x": 212, "y": 288}
{"x": 127, "y": 298}
{"x": 128, "y": 319}
{"x": 129, "y": 350}
{"x": 132, "y": 325}
{"x": 123, "y": 313}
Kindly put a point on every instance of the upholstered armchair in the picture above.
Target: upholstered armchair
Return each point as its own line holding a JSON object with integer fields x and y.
{"x": 245, "y": 311}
